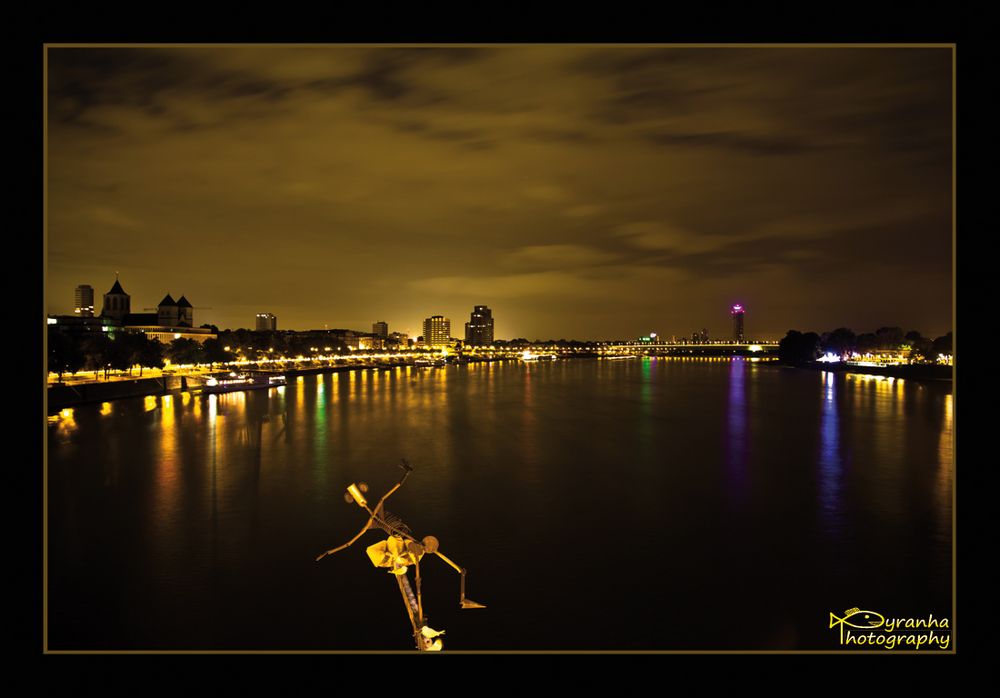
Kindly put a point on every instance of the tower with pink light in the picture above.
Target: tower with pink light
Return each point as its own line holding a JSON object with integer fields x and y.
{"x": 737, "y": 312}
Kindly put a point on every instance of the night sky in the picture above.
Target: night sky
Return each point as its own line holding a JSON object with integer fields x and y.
{"x": 580, "y": 192}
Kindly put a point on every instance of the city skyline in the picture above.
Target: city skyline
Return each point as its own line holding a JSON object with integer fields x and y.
{"x": 268, "y": 321}
{"x": 584, "y": 192}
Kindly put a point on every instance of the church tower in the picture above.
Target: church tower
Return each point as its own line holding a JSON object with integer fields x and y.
{"x": 185, "y": 312}
{"x": 167, "y": 312}
{"x": 117, "y": 303}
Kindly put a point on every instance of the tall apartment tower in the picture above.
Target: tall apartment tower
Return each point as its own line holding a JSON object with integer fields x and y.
{"x": 479, "y": 328}
{"x": 83, "y": 300}
{"x": 380, "y": 329}
{"x": 267, "y": 321}
{"x": 737, "y": 313}
{"x": 437, "y": 331}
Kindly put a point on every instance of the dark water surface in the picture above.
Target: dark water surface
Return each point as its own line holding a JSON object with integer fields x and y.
{"x": 661, "y": 503}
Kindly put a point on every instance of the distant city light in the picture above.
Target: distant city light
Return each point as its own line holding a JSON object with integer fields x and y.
{"x": 828, "y": 358}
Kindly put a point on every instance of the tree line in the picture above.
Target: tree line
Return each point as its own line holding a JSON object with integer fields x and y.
{"x": 125, "y": 351}
{"x": 799, "y": 347}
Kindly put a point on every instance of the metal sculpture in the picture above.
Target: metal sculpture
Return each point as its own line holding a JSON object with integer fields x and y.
{"x": 400, "y": 551}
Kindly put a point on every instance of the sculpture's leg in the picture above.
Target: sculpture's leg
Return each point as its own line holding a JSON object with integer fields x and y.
{"x": 420, "y": 601}
{"x": 348, "y": 543}
{"x": 462, "y": 601}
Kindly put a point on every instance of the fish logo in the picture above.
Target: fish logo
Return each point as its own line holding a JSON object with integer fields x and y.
{"x": 856, "y": 618}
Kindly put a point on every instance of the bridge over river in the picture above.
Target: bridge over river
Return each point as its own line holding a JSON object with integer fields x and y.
{"x": 757, "y": 348}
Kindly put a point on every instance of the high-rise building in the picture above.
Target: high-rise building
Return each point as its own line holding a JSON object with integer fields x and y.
{"x": 737, "y": 313}
{"x": 117, "y": 303}
{"x": 479, "y": 328}
{"x": 84, "y": 301}
{"x": 380, "y": 329}
{"x": 267, "y": 321}
{"x": 437, "y": 331}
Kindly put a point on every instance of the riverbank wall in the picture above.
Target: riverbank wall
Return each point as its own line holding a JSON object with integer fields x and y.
{"x": 61, "y": 396}
{"x": 918, "y": 372}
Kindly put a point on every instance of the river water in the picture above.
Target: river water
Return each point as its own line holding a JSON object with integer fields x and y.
{"x": 658, "y": 503}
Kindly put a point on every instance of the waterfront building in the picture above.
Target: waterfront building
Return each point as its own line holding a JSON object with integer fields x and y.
{"x": 185, "y": 312}
{"x": 83, "y": 324}
{"x": 168, "y": 312}
{"x": 117, "y": 303}
{"x": 479, "y": 328}
{"x": 168, "y": 334}
{"x": 83, "y": 305}
{"x": 400, "y": 340}
{"x": 380, "y": 329}
{"x": 437, "y": 331}
{"x": 737, "y": 312}
{"x": 267, "y": 321}
{"x": 172, "y": 319}
{"x": 370, "y": 341}
{"x": 337, "y": 337}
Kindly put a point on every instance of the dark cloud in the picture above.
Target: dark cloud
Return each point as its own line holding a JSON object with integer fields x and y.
{"x": 579, "y": 191}
{"x": 623, "y": 62}
{"x": 387, "y": 75}
{"x": 743, "y": 142}
{"x": 559, "y": 135}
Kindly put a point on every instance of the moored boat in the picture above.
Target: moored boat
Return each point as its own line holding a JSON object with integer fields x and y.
{"x": 429, "y": 363}
{"x": 244, "y": 380}
{"x": 528, "y": 355}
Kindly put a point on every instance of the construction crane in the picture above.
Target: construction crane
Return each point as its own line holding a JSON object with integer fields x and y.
{"x": 193, "y": 307}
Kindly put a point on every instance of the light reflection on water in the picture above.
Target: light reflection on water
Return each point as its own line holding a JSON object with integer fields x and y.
{"x": 831, "y": 464}
{"x": 945, "y": 480}
{"x": 201, "y": 507}
{"x": 736, "y": 434}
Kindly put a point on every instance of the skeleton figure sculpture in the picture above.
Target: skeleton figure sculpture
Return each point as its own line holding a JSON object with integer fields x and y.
{"x": 399, "y": 552}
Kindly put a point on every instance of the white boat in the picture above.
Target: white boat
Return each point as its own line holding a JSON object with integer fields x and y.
{"x": 429, "y": 363}
{"x": 244, "y": 380}
{"x": 529, "y": 356}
